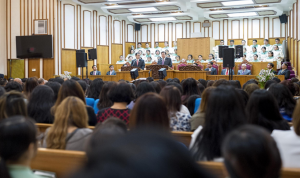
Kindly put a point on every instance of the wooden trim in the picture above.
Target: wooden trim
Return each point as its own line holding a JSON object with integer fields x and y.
{"x": 164, "y": 32}
{"x": 64, "y": 7}
{"x": 142, "y": 34}
{"x": 181, "y": 30}
{"x": 60, "y": 33}
{"x": 292, "y": 29}
{"x": 266, "y": 37}
{"x": 28, "y": 18}
{"x": 297, "y": 8}
{"x": 212, "y": 29}
{"x": 252, "y": 28}
{"x": 194, "y": 27}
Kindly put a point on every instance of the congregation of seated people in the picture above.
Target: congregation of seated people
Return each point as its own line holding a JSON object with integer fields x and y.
{"x": 253, "y": 129}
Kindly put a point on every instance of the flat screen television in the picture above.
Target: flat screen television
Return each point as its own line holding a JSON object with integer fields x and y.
{"x": 39, "y": 46}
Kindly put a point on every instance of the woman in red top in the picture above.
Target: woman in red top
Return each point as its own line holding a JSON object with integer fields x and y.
{"x": 121, "y": 95}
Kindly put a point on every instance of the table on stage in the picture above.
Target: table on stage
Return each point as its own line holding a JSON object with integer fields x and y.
{"x": 177, "y": 74}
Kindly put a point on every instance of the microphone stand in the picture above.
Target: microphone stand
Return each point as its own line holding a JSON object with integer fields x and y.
{"x": 149, "y": 72}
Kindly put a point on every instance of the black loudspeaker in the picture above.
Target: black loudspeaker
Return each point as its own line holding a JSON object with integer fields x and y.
{"x": 221, "y": 50}
{"x": 92, "y": 54}
{"x": 80, "y": 51}
{"x": 239, "y": 51}
{"x": 228, "y": 58}
{"x": 162, "y": 73}
{"x": 134, "y": 73}
{"x": 283, "y": 18}
{"x": 81, "y": 59}
{"x": 137, "y": 27}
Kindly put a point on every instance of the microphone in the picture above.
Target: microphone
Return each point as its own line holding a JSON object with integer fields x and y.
{"x": 149, "y": 71}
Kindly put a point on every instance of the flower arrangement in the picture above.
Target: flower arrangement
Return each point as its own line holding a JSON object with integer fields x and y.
{"x": 264, "y": 76}
{"x": 66, "y": 75}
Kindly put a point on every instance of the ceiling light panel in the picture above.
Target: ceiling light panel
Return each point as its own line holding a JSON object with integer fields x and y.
{"x": 246, "y": 14}
{"x": 237, "y": 3}
{"x": 162, "y": 19}
{"x": 146, "y": 9}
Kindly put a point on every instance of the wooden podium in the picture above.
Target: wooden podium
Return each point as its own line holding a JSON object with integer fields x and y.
{"x": 155, "y": 69}
{"x": 190, "y": 68}
{"x": 129, "y": 68}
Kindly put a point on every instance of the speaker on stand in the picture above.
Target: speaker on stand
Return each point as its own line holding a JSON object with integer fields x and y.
{"x": 81, "y": 60}
{"x": 228, "y": 60}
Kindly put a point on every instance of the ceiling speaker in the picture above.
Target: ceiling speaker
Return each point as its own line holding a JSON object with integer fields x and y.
{"x": 206, "y": 24}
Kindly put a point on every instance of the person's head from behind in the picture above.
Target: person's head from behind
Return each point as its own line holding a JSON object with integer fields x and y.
{"x": 95, "y": 88}
{"x": 191, "y": 103}
{"x": 10, "y": 86}
{"x": 2, "y": 91}
{"x": 262, "y": 109}
{"x": 205, "y": 95}
{"x": 138, "y": 149}
{"x": 3, "y": 82}
{"x": 177, "y": 85}
{"x": 176, "y": 80}
{"x": 276, "y": 79}
{"x": 294, "y": 80}
{"x": 55, "y": 87}
{"x": 104, "y": 100}
{"x": 171, "y": 96}
{"x": 156, "y": 86}
{"x": 162, "y": 83}
{"x": 68, "y": 88}
{"x": 121, "y": 93}
{"x": 251, "y": 88}
{"x": 283, "y": 97}
{"x": 221, "y": 82}
{"x": 149, "y": 110}
{"x": 58, "y": 80}
{"x": 290, "y": 85}
{"x": 143, "y": 88}
{"x": 225, "y": 111}
{"x": 235, "y": 84}
{"x": 150, "y": 79}
{"x": 269, "y": 83}
{"x": 12, "y": 104}
{"x": 18, "y": 143}
{"x": 190, "y": 87}
{"x": 70, "y": 112}
{"x": 40, "y": 103}
{"x": 83, "y": 85}
{"x": 296, "y": 119}
{"x": 203, "y": 82}
{"x": 30, "y": 84}
{"x": 250, "y": 151}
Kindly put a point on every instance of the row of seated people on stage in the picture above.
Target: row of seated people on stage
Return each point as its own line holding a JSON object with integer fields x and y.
{"x": 247, "y": 126}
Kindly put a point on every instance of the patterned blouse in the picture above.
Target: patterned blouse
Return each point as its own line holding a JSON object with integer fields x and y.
{"x": 180, "y": 122}
{"x": 106, "y": 113}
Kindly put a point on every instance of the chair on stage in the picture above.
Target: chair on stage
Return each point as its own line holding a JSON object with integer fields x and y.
{"x": 129, "y": 68}
{"x": 155, "y": 69}
{"x": 248, "y": 65}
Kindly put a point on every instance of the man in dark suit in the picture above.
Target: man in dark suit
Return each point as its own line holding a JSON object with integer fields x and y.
{"x": 138, "y": 62}
{"x": 212, "y": 70}
{"x": 111, "y": 71}
{"x": 244, "y": 70}
{"x": 226, "y": 71}
{"x": 285, "y": 71}
{"x": 164, "y": 60}
{"x": 95, "y": 71}
{"x": 270, "y": 67}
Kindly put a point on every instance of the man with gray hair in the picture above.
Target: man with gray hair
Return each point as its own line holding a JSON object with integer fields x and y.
{"x": 244, "y": 70}
{"x": 18, "y": 80}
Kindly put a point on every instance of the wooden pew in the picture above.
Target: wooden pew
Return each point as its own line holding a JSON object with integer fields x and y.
{"x": 64, "y": 162}
{"x": 183, "y": 137}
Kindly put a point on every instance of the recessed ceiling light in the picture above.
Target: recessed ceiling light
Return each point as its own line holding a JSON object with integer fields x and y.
{"x": 146, "y": 9}
{"x": 236, "y": 3}
{"x": 246, "y": 14}
{"x": 162, "y": 19}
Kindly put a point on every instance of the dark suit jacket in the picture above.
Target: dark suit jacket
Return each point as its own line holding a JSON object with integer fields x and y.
{"x": 167, "y": 62}
{"x": 141, "y": 64}
{"x": 286, "y": 73}
{"x": 97, "y": 73}
{"x": 274, "y": 71}
{"x": 113, "y": 73}
{"x": 223, "y": 72}
{"x": 213, "y": 71}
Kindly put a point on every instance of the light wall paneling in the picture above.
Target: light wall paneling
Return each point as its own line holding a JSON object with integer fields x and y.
{"x": 161, "y": 33}
{"x": 110, "y": 38}
{"x": 144, "y": 33}
{"x": 102, "y": 55}
{"x": 216, "y": 30}
{"x": 255, "y": 28}
{"x": 298, "y": 22}
{"x": 117, "y": 51}
{"x": 196, "y": 27}
{"x": 292, "y": 24}
{"x": 295, "y": 21}
{"x": 34, "y": 67}
{"x": 130, "y": 33}
{"x": 235, "y": 29}
{"x": 188, "y": 29}
{"x": 152, "y": 32}
{"x": 69, "y": 26}
{"x": 171, "y": 28}
{"x": 266, "y": 27}
{"x": 178, "y": 30}
{"x": 87, "y": 28}
{"x": 69, "y": 61}
{"x": 225, "y": 31}
{"x": 206, "y": 29}
{"x": 276, "y": 27}
{"x": 103, "y": 30}
{"x": 117, "y": 31}
{"x": 245, "y": 29}
{"x": 3, "y": 37}
{"x": 123, "y": 36}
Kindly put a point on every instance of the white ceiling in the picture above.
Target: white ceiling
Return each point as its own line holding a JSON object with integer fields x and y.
{"x": 188, "y": 10}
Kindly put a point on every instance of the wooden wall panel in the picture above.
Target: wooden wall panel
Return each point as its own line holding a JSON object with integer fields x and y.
{"x": 34, "y": 64}
{"x": 128, "y": 47}
{"x": 102, "y": 55}
{"x": 68, "y": 61}
{"x": 48, "y": 68}
{"x": 272, "y": 40}
{"x": 117, "y": 51}
{"x": 260, "y": 41}
{"x": 298, "y": 52}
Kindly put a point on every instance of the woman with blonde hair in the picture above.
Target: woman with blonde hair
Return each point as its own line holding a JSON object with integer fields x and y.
{"x": 69, "y": 130}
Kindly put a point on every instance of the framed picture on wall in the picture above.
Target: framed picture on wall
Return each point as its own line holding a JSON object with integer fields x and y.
{"x": 40, "y": 27}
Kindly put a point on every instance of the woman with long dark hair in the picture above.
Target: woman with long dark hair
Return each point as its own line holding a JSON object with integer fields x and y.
{"x": 95, "y": 88}
{"x": 18, "y": 146}
{"x": 104, "y": 101}
{"x": 263, "y": 110}
{"x": 12, "y": 104}
{"x": 225, "y": 111}
{"x": 190, "y": 88}
{"x": 30, "y": 84}
{"x": 40, "y": 102}
{"x": 285, "y": 100}
{"x": 142, "y": 88}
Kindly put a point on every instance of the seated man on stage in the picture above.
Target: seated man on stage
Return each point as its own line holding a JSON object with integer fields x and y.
{"x": 231, "y": 44}
{"x": 244, "y": 70}
{"x": 95, "y": 71}
{"x": 138, "y": 62}
{"x": 270, "y": 68}
{"x": 226, "y": 71}
{"x": 111, "y": 71}
{"x": 212, "y": 70}
{"x": 121, "y": 61}
{"x": 164, "y": 60}
{"x": 267, "y": 45}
